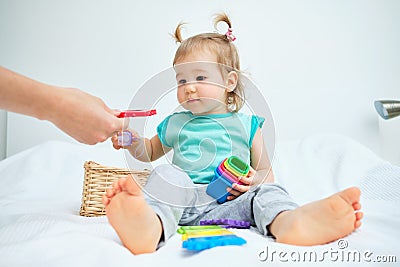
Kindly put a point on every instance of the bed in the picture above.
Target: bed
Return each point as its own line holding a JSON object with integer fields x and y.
{"x": 41, "y": 191}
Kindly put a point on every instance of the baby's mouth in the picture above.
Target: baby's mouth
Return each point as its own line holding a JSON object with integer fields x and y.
{"x": 192, "y": 100}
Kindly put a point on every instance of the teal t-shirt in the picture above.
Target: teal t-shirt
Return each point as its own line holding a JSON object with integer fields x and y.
{"x": 200, "y": 143}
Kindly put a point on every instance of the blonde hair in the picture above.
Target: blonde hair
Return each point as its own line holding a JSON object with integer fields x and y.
{"x": 225, "y": 50}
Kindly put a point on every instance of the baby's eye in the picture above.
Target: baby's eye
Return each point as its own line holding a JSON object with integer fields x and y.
{"x": 182, "y": 81}
{"x": 200, "y": 78}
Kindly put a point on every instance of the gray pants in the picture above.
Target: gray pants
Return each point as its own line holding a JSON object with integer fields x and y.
{"x": 178, "y": 201}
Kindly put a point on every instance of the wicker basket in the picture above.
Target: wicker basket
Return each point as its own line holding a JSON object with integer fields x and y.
{"x": 97, "y": 179}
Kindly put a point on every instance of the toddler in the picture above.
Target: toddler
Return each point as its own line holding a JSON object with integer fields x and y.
{"x": 210, "y": 89}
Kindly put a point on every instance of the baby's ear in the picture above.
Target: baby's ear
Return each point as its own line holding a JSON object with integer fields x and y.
{"x": 231, "y": 81}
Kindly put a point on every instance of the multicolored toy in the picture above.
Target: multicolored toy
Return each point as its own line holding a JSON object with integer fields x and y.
{"x": 199, "y": 237}
{"x": 125, "y": 138}
{"x": 228, "y": 172}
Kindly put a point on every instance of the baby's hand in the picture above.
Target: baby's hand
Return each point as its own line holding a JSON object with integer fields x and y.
{"x": 114, "y": 140}
{"x": 238, "y": 189}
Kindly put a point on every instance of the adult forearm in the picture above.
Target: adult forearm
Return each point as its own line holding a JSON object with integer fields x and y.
{"x": 23, "y": 95}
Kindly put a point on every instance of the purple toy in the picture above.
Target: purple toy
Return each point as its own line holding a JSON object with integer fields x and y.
{"x": 227, "y": 223}
{"x": 125, "y": 138}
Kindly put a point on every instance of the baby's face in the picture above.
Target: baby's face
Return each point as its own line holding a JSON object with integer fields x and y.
{"x": 201, "y": 86}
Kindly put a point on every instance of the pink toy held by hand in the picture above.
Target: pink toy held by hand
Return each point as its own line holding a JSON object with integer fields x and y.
{"x": 125, "y": 138}
{"x": 137, "y": 113}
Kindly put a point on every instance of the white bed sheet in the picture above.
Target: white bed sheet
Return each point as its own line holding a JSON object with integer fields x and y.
{"x": 40, "y": 196}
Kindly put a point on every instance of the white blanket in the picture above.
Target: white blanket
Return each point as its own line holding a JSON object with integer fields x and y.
{"x": 40, "y": 196}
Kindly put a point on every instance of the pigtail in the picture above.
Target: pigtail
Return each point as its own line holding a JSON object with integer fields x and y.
{"x": 223, "y": 17}
{"x": 177, "y": 34}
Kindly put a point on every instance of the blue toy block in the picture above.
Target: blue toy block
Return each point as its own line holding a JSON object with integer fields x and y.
{"x": 217, "y": 187}
{"x": 202, "y": 243}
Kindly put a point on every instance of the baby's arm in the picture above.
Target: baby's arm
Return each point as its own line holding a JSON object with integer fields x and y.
{"x": 260, "y": 171}
{"x": 142, "y": 148}
{"x": 260, "y": 161}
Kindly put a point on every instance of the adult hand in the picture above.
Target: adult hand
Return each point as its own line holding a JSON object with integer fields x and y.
{"x": 84, "y": 117}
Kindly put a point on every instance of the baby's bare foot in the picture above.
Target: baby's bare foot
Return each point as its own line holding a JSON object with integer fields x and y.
{"x": 320, "y": 222}
{"x": 136, "y": 224}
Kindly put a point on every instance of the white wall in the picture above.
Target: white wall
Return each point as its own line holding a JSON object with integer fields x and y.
{"x": 3, "y": 134}
{"x": 320, "y": 64}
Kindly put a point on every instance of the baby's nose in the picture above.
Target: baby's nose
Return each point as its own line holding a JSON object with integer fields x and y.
{"x": 190, "y": 88}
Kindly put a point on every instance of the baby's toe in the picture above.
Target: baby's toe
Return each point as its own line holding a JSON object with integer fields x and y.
{"x": 359, "y": 215}
{"x": 105, "y": 200}
{"x": 357, "y": 206}
{"x": 110, "y": 192}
